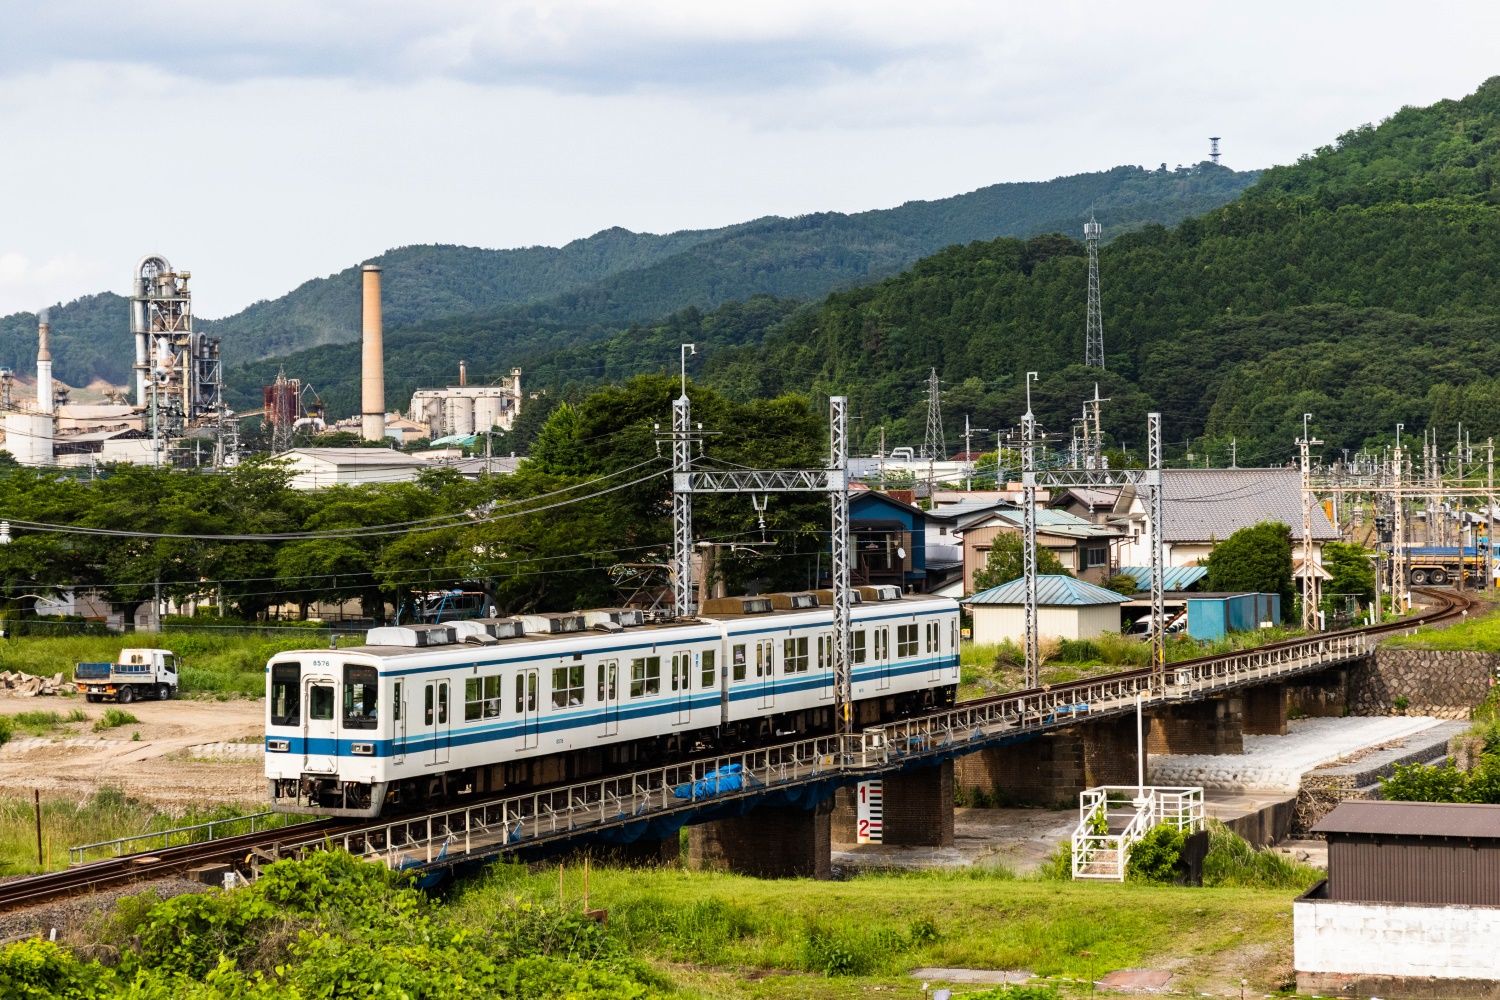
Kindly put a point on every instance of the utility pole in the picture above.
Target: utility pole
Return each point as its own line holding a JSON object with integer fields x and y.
{"x": 1398, "y": 532}
{"x": 1234, "y": 453}
{"x": 1096, "y": 457}
{"x": 969, "y": 454}
{"x": 682, "y": 508}
{"x": 1158, "y": 596}
{"x": 882, "y": 457}
{"x": 1028, "y": 547}
{"x": 1309, "y": 577}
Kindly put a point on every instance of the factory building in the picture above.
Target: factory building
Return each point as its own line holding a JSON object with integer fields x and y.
{"x": 461, "y": 410}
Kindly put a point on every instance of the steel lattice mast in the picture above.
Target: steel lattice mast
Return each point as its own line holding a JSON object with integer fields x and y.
{"x": 934, "y": 446}
{"x": 1028, "y": 545}
{"x": 1093, "y": 347}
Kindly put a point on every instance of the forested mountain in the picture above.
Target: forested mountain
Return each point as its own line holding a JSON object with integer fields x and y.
{"x": 1361, "y": 284}
{"x": 804, "y": 258}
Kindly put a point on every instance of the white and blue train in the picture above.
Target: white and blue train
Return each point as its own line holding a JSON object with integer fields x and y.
{"x": 432, "y": 714}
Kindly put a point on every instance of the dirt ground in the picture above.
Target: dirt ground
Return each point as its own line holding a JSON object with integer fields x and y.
{"x": 189, "y": 752}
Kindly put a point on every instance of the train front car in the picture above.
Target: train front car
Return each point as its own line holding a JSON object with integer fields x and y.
{"x": 328, "y": 727}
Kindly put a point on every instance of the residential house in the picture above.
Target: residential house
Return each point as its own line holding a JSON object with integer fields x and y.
{"x": 1202, "y": 507}
{"x": 890, "y": 541}
{"x": 1083, "y": 548}
{"x": 1090, "y": 503}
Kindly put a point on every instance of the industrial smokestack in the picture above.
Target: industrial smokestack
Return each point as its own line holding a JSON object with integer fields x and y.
{"x": 372, "y": 376}
{"x": 43, "y": 363}
{"x": 463, "y": 374}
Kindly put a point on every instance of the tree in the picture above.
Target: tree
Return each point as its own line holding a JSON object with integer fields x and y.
{"x": 1007, "y": 562}
{"x": 1257, "y": 559}
{"x": 1350, "y": 569}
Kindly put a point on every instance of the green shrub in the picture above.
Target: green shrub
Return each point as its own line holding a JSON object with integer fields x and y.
{"x": 7, "y": 729}
{"x": 113, "y": 718}
{"x": 836, "y": 951}
{"x": 1016, "y": 991}
{"x": 1153, "y": 858}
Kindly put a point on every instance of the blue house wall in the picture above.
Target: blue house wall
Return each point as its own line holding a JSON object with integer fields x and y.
{"x": 870, "y": 506}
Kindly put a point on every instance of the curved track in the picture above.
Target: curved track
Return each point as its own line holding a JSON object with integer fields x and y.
{"x": 21, "y": 892}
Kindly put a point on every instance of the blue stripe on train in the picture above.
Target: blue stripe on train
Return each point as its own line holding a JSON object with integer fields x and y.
{"x": 515, "y": 729}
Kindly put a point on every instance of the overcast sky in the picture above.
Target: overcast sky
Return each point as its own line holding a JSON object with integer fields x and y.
{"x": 262, "y": 144}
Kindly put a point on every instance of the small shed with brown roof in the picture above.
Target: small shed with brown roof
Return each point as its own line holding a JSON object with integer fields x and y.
{"x": 1435, "y": 854}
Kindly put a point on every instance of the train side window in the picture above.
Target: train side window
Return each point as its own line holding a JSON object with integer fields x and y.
{"x": 396, "y": 701}
{"x": 520, "y": 693}
{"x": 442, "y": 704}
{"x": 708, "y": 668}
{"x": 473, "y": 698}
{"x": 739, "y": 662}
{"x": 286, "y": 694}
{"x": 427, "y": 707}
{"x": 932, "y": 637}
{"x": 906, "y": 641}
{"x": 857, "y": 646}
{"x": 492, "y": 697}
{"x": 825, "y": 651}
{"x": 361, "y": 697}
{"x": 645, "y": 676}
{"x": 567, "y": 686}
{"x": 794, "y": 655}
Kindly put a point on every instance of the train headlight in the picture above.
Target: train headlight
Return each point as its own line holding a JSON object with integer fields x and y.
{"x": 363, "y": 749}
{"x": 277, "y": 746}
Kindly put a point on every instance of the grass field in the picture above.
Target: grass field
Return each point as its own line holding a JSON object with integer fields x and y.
{"x": 213, "y": 663}
{"x": 1475, "y": 632}
{"x": 729, "y": 936}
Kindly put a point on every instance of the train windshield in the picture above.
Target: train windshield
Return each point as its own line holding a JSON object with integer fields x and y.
{"x": 361, "y": 686}
{"x": 286, "y": 694}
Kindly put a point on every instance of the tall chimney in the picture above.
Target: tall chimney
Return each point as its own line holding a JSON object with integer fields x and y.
{"x": 372, "y": 375}
{"x": 463, "y": 374}
{"x": 43, "y": 364}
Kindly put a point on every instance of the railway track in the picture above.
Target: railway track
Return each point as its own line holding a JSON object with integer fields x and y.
{"x": 17, "y": 893}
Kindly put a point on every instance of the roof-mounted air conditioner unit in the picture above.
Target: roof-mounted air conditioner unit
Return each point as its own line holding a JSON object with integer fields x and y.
{"x": 417, "y": 636}
{"x": 793, "y": 602}
{"x": 624, "y": 617}
{"x": 737, "y": 606}
{"x": 552, "y": 624}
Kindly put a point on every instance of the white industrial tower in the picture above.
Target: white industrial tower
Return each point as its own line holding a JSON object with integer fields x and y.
{"x": 1213, "y": 149}
{"x": 934, "y": 448}
{"x": 1093, "y": 347}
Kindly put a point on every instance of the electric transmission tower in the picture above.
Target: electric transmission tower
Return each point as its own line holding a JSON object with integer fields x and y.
{"x": 1093, "y": 349}
{"x": 934, "y": 447}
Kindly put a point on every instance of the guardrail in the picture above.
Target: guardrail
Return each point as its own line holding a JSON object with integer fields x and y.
{"x": 531, "y": 818}
{"x": 1101, "y": 854}
{"x": 80, "y": 854}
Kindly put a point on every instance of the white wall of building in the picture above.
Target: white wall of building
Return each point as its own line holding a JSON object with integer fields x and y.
{"x": 1381, "y": 939}
{"x": 997, "y": 623}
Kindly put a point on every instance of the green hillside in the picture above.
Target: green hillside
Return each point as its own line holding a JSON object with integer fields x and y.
{"x": 1361, "y": 284}
{"x": 90, "y": 339}
{"x": 800, "y": 258}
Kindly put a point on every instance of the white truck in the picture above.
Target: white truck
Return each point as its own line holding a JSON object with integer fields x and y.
{"x": 138, "y": 673}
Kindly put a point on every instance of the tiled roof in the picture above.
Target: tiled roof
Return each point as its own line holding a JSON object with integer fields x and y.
{"x": 1055, "y": 522}
{"x": 1202, "y": 505}
{"x": 1172, "y": 577}
{"x": 1051, "y": 591}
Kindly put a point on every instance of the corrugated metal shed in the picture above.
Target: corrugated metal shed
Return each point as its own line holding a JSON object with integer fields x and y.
{"x": 1051, "y": 591}
{"x": 1413, "y": 852}
{"x": 1172, "y": 577}
{"x": 1412, "y": 819}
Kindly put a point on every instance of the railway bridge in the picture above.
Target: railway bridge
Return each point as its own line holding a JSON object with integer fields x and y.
{"x": 768, "y": 811}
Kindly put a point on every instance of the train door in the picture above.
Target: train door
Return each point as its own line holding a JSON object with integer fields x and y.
{"x": 882, "y": 657}
{"x": 682, "y": 672}
{"x": 934, "y": 651}
{"x": 320, "y": 746}
{"x": 609, "y": 697}
{"x": 526, "y": 708}
{"x": 398, "y": 723}
{"x": 765, "y": 672}
{"x": 437, "y": 720}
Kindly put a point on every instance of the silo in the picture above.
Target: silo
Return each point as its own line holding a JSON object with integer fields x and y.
{"x": 459, "y": 413}
{"x": 487, "y": 410}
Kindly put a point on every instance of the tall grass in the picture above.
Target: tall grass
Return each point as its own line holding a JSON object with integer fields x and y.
{"x": 104, "y": 815}
{"x": 1481, "y": 633}
{"x": 1232, "y": 862}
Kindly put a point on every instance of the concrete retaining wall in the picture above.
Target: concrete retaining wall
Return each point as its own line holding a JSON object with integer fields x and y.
{"x": 1412, "y": 950}
{"x": 1442, "y": 683}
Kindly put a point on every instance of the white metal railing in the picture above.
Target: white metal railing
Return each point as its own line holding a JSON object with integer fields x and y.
{"x": 496, "y": 826}
{"x": 116, "y": 847}
{"x": 1099, "y": 853}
